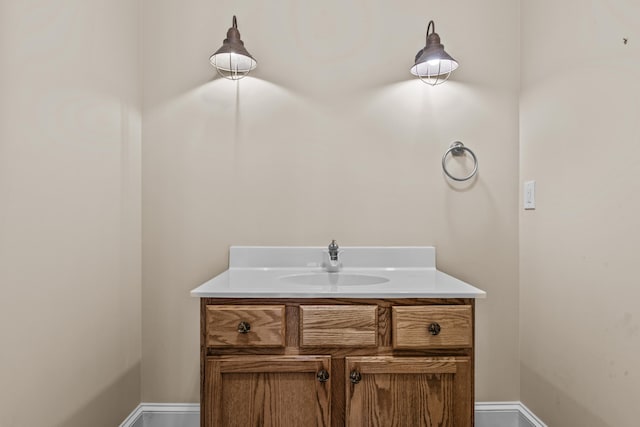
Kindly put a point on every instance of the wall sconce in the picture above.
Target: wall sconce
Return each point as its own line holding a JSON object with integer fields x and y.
{"x": 433, "y": 65}
{"x": 232, "y": 60}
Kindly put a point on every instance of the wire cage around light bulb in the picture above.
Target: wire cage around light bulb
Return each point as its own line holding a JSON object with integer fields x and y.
{"x": 231, "y": 65}
{"x": 232, "y": 60}
{"x": 434, "y": 72}
{"x": 432, "y": 64}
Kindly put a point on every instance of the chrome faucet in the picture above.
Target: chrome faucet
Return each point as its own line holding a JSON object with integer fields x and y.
{"x": 333, "y": 250}
{"x": 333, "y": 265}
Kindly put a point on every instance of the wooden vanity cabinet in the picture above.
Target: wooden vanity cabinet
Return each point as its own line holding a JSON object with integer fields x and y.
{"x": 268, "y": 391}
{"x": 407, "y": 391}
{"x": 337, "y": 362}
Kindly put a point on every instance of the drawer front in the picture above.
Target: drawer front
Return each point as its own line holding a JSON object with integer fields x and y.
{"x": 436, "y": 326}
{"x": 338, "y": 325}
{"x": 245, "y": 325}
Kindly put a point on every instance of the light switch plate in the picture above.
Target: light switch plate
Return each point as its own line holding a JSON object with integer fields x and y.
{"x": 530, "y": 195}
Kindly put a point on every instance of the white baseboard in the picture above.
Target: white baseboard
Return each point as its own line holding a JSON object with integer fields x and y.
{"x": 530, "y": 416}
{"x": 488, "y": 414}
{"x": 133, "y": 417}
{"x": 505, "y": 414}
{"x": 164, "y": 414}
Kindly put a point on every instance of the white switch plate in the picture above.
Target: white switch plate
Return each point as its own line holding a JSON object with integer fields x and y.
{"x": 530, "y": 195}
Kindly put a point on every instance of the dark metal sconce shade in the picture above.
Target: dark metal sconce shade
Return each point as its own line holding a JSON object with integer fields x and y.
{"x": 232, "y": 60}
{"x": 432, "y": 64}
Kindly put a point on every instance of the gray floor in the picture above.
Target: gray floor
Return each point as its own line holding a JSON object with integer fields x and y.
{"x": 168, "y": 420}
{"x": 501, "y": 419}
{"x": 483, "y": 419}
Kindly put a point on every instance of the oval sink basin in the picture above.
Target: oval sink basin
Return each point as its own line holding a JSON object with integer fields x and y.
{"x": 337, "y": 279}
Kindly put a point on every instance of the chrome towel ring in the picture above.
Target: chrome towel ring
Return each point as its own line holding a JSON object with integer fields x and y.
{"x": 457, "y": 149}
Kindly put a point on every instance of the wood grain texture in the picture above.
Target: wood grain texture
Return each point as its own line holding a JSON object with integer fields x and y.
{"x": 267, "y": 325}
{"x": 276, "y": 391}
{"x": 410, "y": 327}
{"x": 338, "y": 351}
{"x": 337, "y": 391}
{"x": 463, "y": 396}
{"x": 384, "y": 326}
{"x": 293, "y": 319}
{"x": 203, "y": 357}
{"x": 404, "y": 365}
{"x": 469, "y": 391}
{"x": 338, "y": 325}
{"x": 412, "y": 392}
{"x": 247, "y": 376}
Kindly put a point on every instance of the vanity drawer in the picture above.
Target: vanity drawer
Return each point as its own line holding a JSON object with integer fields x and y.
{"x": 433, "y": 326}
{"x": 245, "y": 326}
{"x": 338, "y": 325}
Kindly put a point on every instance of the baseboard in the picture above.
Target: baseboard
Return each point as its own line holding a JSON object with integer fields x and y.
{"x": 133, "y": 417}
{"x": 530, "y": 416}
{"x": 505, "y": 414}
{"x": 164, "y": 414}
{"x": 488, "y": 414}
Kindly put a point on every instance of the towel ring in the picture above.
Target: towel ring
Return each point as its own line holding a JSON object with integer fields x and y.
{"x": 457, "y": 149}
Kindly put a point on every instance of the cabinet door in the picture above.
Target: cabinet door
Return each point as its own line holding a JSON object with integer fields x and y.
{"x": 409, "y": 391}
{"x": 269, "y": 391}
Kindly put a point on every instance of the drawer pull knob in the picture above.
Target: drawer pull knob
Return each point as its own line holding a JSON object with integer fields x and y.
{"x": 355, "y": 377}
{"x": 323, "y": 375}
{"x": 434, "y": 328}
{"x": 244, "y": 327}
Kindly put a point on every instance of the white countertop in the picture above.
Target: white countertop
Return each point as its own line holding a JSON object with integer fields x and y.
{"x": 266, "y": 272}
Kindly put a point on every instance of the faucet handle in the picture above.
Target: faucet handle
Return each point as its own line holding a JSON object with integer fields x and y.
{"x": 333, "y": 246}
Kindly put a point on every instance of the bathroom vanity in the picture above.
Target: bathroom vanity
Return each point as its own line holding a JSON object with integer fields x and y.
{"x": 385, "y": 339}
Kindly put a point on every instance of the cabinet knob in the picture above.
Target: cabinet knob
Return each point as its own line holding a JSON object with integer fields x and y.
{"x": 244, "y": 327}
{"x": 355, "y": 377}
{"x": 434, "y": 328}
{"x": 323, "y": 375}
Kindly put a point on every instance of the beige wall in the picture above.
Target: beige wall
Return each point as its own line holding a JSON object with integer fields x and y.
{"x": 70, "y": 347}
{"x": 580, "y": 141}
{"x": 330, "y": 138}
